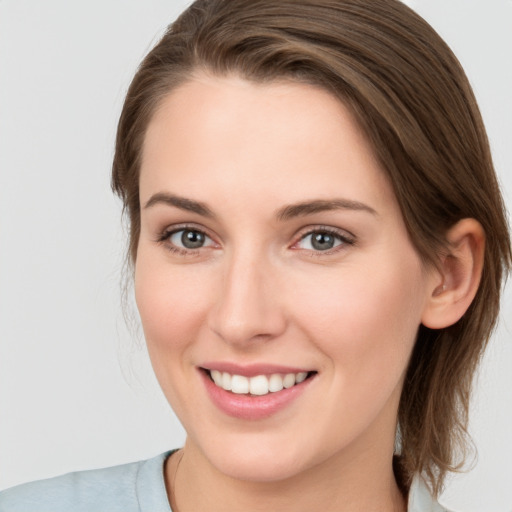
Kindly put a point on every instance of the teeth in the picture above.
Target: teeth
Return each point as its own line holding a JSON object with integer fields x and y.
{"x": 300, "y": 377}
{"x": 289, "y": 380}
{"x": 226, "y": 381}
{"x": 275, "y": 383}
{"x": 258, "y": 385}
{"x": 239, "y": 384}
{"x": 217, "y": 377}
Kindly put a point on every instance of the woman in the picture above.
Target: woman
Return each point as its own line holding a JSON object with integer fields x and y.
{"x": 318, "y": 244}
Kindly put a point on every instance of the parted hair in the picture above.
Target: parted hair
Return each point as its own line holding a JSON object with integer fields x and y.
{"x": 412, "y": 99}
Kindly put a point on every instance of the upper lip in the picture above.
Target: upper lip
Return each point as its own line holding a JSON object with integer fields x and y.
{"x": 251, "y": 370}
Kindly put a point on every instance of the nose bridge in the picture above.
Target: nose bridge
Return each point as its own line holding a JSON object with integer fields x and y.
{"x": 247, "y": 305}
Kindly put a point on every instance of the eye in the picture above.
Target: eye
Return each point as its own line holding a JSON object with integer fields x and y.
{"x": 189, "y": 239}
{"x": 322, "y": 240}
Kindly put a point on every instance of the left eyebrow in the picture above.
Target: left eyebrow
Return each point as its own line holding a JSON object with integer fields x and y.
{"x": 182, "y": 203}
{"x": 321, "y": 205}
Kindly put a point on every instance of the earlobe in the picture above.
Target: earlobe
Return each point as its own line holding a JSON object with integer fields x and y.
{"x": 455, "y": 285}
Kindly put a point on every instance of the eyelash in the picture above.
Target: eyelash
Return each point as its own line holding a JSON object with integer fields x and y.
{"x": 165, "y": 236}
{"x": 345, "y": 239}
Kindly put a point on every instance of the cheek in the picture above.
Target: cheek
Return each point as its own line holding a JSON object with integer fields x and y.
{"x": 172, "y": 302}
{"x": 365, "y": 318}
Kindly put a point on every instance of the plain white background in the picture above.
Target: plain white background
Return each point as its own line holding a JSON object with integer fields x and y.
{"x": 76, "y": 390}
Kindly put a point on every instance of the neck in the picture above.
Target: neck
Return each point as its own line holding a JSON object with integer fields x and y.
{"x": 339, "y": 484}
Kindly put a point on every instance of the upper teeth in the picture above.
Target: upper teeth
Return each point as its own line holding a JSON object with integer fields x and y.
{"x": 257, "y": 385}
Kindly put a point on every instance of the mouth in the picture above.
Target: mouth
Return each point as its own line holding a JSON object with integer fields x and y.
{"x": 257, "y": 385}
{"x": 257, "y": 391}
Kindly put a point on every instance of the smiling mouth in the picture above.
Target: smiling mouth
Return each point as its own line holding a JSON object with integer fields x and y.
{"x": 257, "y": 385}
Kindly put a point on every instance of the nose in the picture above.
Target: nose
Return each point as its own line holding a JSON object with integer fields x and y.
{"x": 248, "y": 304}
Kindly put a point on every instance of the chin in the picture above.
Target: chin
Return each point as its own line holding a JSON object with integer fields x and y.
{"x": 259, "y": 468}
{"x": 256, "y": 461}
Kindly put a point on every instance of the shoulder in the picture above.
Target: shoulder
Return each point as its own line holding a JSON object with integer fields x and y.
{"x": 134, "y": 487}
{"x": 75, "y": 491}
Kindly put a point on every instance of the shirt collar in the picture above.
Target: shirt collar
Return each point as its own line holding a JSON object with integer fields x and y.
{"x": 421, "y": 499}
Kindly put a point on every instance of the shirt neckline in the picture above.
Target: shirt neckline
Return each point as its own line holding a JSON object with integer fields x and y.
{"x": 153, "y": 498}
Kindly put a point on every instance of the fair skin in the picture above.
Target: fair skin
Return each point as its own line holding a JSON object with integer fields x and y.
{"x": 271, "y": 242}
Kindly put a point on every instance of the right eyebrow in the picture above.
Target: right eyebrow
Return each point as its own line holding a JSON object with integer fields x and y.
{"x": 321, "y": 205}
{"x": 182, "y": 203}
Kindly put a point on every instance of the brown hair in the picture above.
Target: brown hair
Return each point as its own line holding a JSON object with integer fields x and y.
{"x": 414, "y": 102}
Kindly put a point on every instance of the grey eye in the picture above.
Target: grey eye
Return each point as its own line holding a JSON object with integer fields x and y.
{"x": 320, "y": 241}
{"x": 189, "y": 239}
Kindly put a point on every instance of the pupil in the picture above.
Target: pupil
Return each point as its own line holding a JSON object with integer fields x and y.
{"x": 192, "y": 239}
{"x": 322, "y": 241}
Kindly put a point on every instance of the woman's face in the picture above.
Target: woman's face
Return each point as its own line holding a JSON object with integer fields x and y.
{"x": 272, "y": 244}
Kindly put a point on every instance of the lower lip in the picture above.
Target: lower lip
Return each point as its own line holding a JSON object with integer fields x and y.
{"x": 252, "y": 407}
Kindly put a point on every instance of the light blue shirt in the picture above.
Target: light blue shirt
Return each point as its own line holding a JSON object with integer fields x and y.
{"x": 135, "y": 487}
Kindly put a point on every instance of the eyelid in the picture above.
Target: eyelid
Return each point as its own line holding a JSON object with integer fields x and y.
{"x": 346, "y": 238}
{"x": 163, "y": 237}
{"x": 343, "y": 235}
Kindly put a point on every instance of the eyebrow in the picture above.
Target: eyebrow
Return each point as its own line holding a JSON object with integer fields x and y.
{"x": 286, "y": 213}
{"x": 321, "y": 205}
{"x": 182, "y": 203}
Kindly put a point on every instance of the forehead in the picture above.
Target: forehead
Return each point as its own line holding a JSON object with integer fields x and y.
{"x": 256, "y": 113}
{"x": 283, "y": 138}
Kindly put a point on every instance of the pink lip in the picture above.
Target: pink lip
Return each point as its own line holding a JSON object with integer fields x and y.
{"x": 250, "y": 407}
{"x": 252, "y": 370}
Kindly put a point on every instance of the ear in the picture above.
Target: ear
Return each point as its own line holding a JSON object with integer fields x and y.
{"x": 455, "y": 285}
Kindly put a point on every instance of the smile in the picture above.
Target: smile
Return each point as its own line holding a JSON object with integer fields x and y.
{"x": 254, "y": 392}
{"x": 258, "y": 385}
